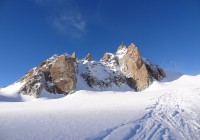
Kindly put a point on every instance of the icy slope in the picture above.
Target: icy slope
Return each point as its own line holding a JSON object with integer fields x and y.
{"x": 166, "y": 110}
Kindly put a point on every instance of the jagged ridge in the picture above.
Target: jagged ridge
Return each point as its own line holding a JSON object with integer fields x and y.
{"x": 60, "y": 74}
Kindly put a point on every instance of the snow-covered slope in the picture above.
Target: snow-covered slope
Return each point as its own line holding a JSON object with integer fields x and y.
{"x": 166, "y": 110}
{"x": 100, "y": 76}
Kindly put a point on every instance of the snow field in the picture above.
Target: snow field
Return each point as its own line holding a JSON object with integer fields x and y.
{"x": 167, "y": 110}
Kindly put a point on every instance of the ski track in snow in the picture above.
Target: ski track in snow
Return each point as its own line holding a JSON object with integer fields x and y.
{"x": 171, "y": 118}
{"x": 172, "y": 113}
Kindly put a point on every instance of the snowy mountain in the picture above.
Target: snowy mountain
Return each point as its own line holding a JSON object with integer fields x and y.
{"x": 104, "y": 104}
{"x": 168, "y": 110}
{"x": 65, "y": 74}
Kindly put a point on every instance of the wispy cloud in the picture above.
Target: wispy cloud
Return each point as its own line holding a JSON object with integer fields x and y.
{"x": 70, "y": 24}
{"x": 65, "y": 16}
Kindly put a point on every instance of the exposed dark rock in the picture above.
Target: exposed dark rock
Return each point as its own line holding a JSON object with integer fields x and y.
{"x": 110, "y": 76}
{"x": 58, "y": 74}
{"x": 135, "y": 69}
{"x": 55, "y": 76}
{"x": 63, "y": 74}
{"x": 88, "y": 57}
{"x": 34, "y": 85}
{"x": 156, "y": 72}
{"x": 106, "y": 56}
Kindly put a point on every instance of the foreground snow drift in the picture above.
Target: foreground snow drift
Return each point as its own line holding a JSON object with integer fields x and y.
{"x": 166, "y": 110}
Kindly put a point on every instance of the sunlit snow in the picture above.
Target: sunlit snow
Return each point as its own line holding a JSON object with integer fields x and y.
{"x": 166, "y": 110}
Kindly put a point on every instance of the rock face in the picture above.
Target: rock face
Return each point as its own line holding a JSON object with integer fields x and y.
{"x": 63, "y": 74}
{"x": 126, "y": 66}
{"x": 139, "y": 72}
{"x": 155, "y": 71}
{"x": 106, "y": 56}
{"x": 134, "y": 68}
{"x": 88, "y": 57}
{"x": 56, "y": 75}
{"x": 74, "y": 55}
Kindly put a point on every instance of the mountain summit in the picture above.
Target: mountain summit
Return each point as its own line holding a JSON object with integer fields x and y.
{"x": 65, "y": 73}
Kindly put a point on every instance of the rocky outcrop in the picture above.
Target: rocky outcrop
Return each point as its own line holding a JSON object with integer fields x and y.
{"x": 61, "y": 74}
{"x": 134, "y": 68}
{"x": 156, "y": 72}
{"x": 56, "y": 75}
{"x": 127, "y": 65}
{"x": 98, "y": 74}
{"x": 33, "y": 87}
{"x": 106, "y": 56}
{"x": 110, "y": 58}
{"x": 139, "y": 72}
{"x": 74, "y": 55}
{"x": 88, "y": 57}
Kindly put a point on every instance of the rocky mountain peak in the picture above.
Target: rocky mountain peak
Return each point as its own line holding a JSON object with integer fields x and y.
{"x": 121, "y": 47}
{"x": 64, "y": 74}
{"x": 133, "y": 51}
{"x": 88, "y": 57}
{"x": 74, "y": 55}
{"x": 131, "y": 46}
{"x": 106, "y": 56}
{"x": 55, "y": 75}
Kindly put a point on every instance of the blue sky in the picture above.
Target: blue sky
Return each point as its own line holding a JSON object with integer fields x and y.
{"x": 166, "y": 31}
